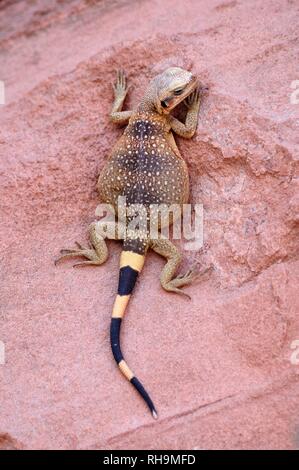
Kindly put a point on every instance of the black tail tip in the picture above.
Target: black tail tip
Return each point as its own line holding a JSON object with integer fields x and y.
{"x": 141, "y": 390}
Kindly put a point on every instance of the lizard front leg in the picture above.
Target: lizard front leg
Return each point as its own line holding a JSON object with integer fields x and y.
{"x": 120, "y": 92}
{"x": 97, "y": 252}
{"x": 188, "y": 129}
{"x": 166, "y": 248}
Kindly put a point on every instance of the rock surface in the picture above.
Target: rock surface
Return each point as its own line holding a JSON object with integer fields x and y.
{"x": 221, "y": 374}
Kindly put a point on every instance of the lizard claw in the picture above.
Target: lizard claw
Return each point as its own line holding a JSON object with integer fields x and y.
{"x": 86, "y": 263}
{"x": 181, "y": 276}
{"x": 181, "y": 292}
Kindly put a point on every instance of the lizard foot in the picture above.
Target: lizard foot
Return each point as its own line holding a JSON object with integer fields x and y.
{"x": 89, "y": 253}
{"x": 120, "y": 86}
{"x": 180, "y": 281}
{"x": 194, "y": 98}
{"x": 185, "y": 279}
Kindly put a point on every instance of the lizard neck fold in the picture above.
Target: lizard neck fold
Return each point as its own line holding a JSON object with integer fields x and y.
{"x": 147, "y": 106}
{"x": 149, "y": 102}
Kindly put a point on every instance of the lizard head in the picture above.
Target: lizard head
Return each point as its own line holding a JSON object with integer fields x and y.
{"x": 172, "y": 87}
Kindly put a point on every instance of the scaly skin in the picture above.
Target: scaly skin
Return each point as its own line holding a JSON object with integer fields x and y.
{"x": 146, "y": 167}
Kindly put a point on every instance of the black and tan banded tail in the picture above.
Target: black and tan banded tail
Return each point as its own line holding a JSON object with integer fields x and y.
{"x": 130, "y": 266}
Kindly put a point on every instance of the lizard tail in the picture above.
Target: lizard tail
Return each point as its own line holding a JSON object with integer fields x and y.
{"x": 130, "y": 266}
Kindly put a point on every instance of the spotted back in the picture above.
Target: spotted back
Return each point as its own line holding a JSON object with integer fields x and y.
{"x": 144, "y": 167}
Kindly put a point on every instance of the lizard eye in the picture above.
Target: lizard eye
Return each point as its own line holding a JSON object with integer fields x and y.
{"x": 178, "y": 91}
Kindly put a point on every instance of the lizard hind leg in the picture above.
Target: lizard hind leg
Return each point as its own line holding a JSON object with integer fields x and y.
{"x": 169, "y": 282}
{"x": 97, "y": 252}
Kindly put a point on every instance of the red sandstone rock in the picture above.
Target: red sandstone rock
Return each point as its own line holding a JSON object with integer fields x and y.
{"x": 220, "y": 375}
